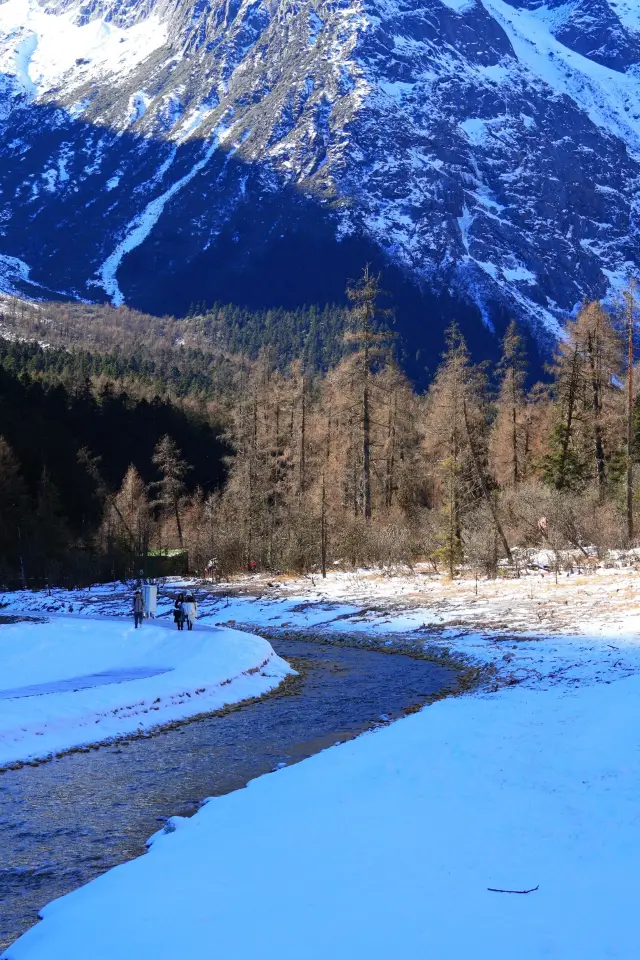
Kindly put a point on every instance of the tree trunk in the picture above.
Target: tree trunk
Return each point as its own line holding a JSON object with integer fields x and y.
{"x": 323, "y": 530}
{"x": 597, "y": 425}
{"x": 366, "y": 440}
{"x": 514, "y": 428}
{"x": 571, "y": 399}
{"x": 391, "y": 443}
{"x": 452, "y": 505}
{"x": 176, "y": 508}
{"x": 23, "y": 577}
{"x": 303, "y": 438}
{"x": 253, "y": 446}
{"x": 630, "y": 437}
{"x": 484, "y": 485}
{"x": 249, "y": 543}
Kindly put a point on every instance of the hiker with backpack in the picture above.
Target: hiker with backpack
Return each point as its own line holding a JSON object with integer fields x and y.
{"x": 138, "y": 608}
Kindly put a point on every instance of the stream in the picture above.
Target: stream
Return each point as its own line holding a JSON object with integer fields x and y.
{"x": 64, "y": 822}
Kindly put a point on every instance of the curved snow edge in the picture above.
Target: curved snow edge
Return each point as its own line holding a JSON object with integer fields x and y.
{"x": 137, "y": 707}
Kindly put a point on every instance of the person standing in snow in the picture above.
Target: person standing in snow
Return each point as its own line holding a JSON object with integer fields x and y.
{"x": 138, "y": 608}
{"x": 190, "y": 611}
{"x": 178, "y": 613}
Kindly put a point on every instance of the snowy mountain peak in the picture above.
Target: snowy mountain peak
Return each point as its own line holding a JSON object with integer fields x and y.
{"x": 489, "y": 151}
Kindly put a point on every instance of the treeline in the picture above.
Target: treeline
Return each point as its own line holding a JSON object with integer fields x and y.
{"x": 181, "y": 373}
{"x": 353, "y": 467}
{"x": 63, "y": 454}
{"x": 312, "y": 335}
{"x": 199, "y": 346}
{"x": 344, "y": 466}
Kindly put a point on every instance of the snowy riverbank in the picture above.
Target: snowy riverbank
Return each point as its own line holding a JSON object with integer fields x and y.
{"x": 589, "y": 619}
{"x": 70, "y": 682}
{"x": 393, "y": 844}
{"x": 386, "y": 847}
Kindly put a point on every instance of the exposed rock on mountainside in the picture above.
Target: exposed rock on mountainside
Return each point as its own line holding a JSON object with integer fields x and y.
{"x": 162, "y": 153}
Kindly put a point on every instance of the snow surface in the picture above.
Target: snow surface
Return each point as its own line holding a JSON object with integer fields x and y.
{"x": 465, "y": 222}
{"x": 590, "y": 619}
{"x": 387, "y": 846}
{"x": 628, "y": 13}
{"x": 137, "y": 231}
{"x": 519, "y": 273}
{"x": 138, "y": 105}
{"x": 475, "y": 130}
{"x": 58, "y": 52}
{"x": 128, "y": 680}
{"x": 459, "y": 6}
{"x": 396, "y": 89}
{"x": 43, "y": 50}
{"x": 13, "y": 271}
{"x": 610, "y": 98}
{"x": 193, "y": 121}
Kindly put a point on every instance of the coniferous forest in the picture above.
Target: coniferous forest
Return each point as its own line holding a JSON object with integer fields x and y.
{"x": 293, "y": 441}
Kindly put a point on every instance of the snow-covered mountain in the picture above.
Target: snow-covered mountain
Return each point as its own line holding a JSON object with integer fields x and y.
{"x": 161, "y": 152}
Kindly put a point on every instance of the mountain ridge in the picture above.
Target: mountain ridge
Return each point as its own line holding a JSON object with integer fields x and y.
{"x": 485, "y": 155}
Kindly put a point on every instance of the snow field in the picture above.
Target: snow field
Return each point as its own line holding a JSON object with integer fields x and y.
{"x": 190, "y": 673}
{"x": 137, "y": 231}
{"x": 42, "y": 49}
{"x": 585, "y": 628}
{"x": 12, "y": 272}
{"x": 386, "y": 847}
{"x": 610, "y": 98}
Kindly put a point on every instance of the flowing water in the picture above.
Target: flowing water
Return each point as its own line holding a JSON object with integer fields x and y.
{"x": 64, "y": 822}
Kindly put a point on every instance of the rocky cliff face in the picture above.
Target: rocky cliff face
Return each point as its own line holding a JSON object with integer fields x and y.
{"x": 161, "y": 152}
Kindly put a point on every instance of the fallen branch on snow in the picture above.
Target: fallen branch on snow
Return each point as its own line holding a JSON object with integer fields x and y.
{"x": 495, "y": 890}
